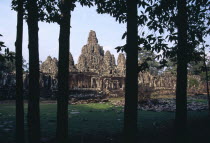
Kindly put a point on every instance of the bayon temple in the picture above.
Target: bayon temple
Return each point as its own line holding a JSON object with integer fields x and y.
{"x": 96, "y": 70}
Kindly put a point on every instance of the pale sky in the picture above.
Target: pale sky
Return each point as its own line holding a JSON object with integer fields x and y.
{"x": 84, "y": 19}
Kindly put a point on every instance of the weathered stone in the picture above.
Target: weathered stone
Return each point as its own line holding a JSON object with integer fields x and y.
{"x": 121, "y": 64}
{"x": 91, "y": 58}
{"x": 108, "y": 59}
{"x": 113, "y": 60}
{"x": 167, "y": 104}
{"x": 49, "y": 66}
{"x": 109, "y": 64}
{"x": 72, "y": 67}
{"x": 98, "y": 71}
{"x": 87, "y": 81}
{"x": 92, "y": 39}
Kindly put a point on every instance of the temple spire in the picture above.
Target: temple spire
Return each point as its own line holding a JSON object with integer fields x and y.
{"x": 92, "y": 39}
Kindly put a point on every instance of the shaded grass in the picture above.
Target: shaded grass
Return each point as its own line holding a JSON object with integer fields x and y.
{"x": 205, "y": 101}
{"x": 104, "y": 123}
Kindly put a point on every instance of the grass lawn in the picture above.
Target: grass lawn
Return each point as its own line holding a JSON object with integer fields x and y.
{"x": 103, "y": 123}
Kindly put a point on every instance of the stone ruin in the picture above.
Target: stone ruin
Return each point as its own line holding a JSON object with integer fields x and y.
{"x": 96, "y": 70}
{"x": 93, "y": 59}
{"x": 109, "y": 66}
{"x": 121, "y": 64}
{"x": 92, "y": 55}
{"x": 49, "y": 66}
{"x": 72, "y": 67}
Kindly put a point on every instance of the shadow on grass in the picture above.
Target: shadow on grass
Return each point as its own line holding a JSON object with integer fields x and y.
{"x": 103, "y": 123}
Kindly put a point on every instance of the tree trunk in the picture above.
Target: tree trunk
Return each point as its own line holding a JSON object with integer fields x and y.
{"x": 181, "y": 84}
{"x": 34, "y": 91}
{"x": 207, "y": 79}
{"x": 63, "y": 74}
{"x": 131, "y": 83}
{"x": 19, "y": 76}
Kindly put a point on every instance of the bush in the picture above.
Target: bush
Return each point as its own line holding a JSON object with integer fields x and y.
{"x": 144, "y": 93}
{"x": 194, "y": 87}
{"x": 192, "y": 82}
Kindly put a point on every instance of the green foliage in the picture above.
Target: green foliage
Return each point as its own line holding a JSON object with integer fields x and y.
{"x": 7, "y": 55}
{"x": 7, "y": 65}
{"x": 47, "y": 9}
{"x": 171, "y": 67}
{"x": 50, "y": 10}
{"x": 163, "y": 15}
{"x": 192, "y": 82}
{"x": 1, "y": 46}
{"x": 195, "y": 68}
{"x": 116, "y": 9}
{"x": 149, "y": 42}
{"x": 159, "y": 16}
{"x": 203, "y": 75}
{"x": 147, "y": 62}
{"x": 162, "y": 20}
{"x": 144, "y": 93}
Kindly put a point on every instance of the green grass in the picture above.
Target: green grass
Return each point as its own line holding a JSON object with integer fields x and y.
{"x": 92, "y": 120}
{"x": 205, "y": 101}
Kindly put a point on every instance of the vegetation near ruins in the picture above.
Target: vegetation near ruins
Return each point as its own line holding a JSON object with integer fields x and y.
{"x": 141, "y": 76}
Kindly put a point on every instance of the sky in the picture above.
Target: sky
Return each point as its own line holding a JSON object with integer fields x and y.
{"x": 83, "y": 19}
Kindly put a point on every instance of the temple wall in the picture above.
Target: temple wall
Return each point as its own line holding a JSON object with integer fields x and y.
{"x": 82, "y": 80}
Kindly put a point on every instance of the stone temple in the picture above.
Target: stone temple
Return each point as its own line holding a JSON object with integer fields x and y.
{"x": 97, "y": 69}
{"x": 94, "y": 59}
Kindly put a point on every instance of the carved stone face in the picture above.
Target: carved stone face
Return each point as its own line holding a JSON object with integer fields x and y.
{"x": 92, "y": 39}
{"x": 49, "y": 66}
{"x": 91, "y": 58}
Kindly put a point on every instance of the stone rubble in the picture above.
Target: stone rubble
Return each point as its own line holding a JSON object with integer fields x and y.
{"x": 168, "y": 105}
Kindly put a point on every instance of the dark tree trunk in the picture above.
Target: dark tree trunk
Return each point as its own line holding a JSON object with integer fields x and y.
{"x": 181, "y": 84}
{"x": 63, "y": 74}
{"x": 34, "y": 91}
{"x": 207, "y": 79}
{"x": 131, "y": 83}
{"x": 19, "y": 76}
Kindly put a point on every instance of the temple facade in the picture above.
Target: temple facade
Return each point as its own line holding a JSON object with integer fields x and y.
{"x": 96, "y": 70}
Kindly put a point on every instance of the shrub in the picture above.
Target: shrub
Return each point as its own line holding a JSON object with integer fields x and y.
{"x": 192, "y": 82}
{"x": 144, "y": 93}
{"x": 194, "y": 87}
